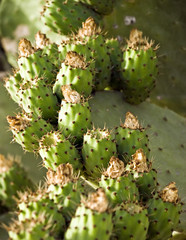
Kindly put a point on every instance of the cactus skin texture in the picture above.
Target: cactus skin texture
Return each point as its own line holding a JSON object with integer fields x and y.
{"x": 144, "y": 175}
{"x": 138, "y": 68}
{"x": 74, "y": 116}
{"x": 118, "y": 186}
{"x": 115, "y": 53}
{"x": 98, "y": 148}
{"x": 76, "y": 73}
{"x": 28, "y": 130}
{"x": 12, "y": 85}
{"x": 65, "y": 17}
{"x": 32, "y": 229}
{"x": 131, "y": 221}
{"x": 13, "y": 178}
{"x": 65, "y": 189}
{"x": 37, "y": 98}
{"x": 33, "y": 63}
{"x": 31, "y": 205}
{"x": 164, "y": 213}
{"x": 55, "y": 150}
{"x": 103, "y": 7}
{"x": 49, "y": 49}
{"x": 95, "y": 219}
{"x": 91, "y": 35}
{"x": 130, "y": 136}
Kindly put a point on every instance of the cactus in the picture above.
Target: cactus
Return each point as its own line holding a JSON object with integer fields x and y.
{"x": 12, "y": 85}
{"x": 55, "y": 149}
{"x": 168, "y": 203}
{"x": 145, "y": 176}
{"x": 95, "y": 219}
{"x": 65, "y": 189}
{"x": 13, "y": 178}
{"x": 104, "y": 7}
{"x": 32, "y": 229}
{"x": 91, "y": 35}
{"x": 98, "y": 147}
{"x": 33, "y": 204}
{"x": 33, "y": 63}
{"x": 65, "y": 17}
{"x": 131, "y": 221}
{"x": 74, "y": 71}
{"x": 138, "y": 68}
{"x": 28, "y": 130}
{"x": 75, "y": 115}
{"x": 87, "y": 159}
{"x": 130, "y": 136}
{"x": 118, "y": 185}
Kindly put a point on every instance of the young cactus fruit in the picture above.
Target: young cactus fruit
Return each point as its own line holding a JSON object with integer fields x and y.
{"x": 37, "y": 98}
{"x": 75, "y": 115}
{"x": 32, "y": 229}
{"x": 91, "y": 35}
{"x": 28, "y": 130}
{"x": 65, "y": 17}
{"x": 98, "y": 147}
{"x": 118, "y": 185}
{"x": 92, "y": 219}
{"x": 145, "y": 176}
{"x": 75, "y": 72}
{"x": 130, "y": 136}
{"x": 55, "y": 149}
{"x": 12, "y": 85}
{"x": 13, "y": 178}
{"x": 139, "y": 68}
{"x": 65, "y": 189}
{"x": 164, "y": 212}
{"x": 32, "y": 204}
{"x": 131, "y": 221}
{"x": 33, "y": 63}
{"x": 48, "y": 48}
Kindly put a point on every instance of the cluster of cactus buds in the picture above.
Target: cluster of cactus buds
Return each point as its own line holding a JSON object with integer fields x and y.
{"x": 100, "y": 183}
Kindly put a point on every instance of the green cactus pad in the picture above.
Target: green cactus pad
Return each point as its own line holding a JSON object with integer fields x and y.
{"x": 164, "y": 213}
{"x": 55, "y": 150}
{"x": 48, "y": 48}
{"x": 37, "y": 98}
{"x": 138, "y": 68}
{"x": 91, "y": 221}
{"x": 74, "y": 119}
{"x": 65, "y": 189}
{"x": 32, "y": 229}
{"x": 104, "y": 7}
{"x": 90, "y": 34}
{"x": 76, "y": 73}
{"x": 119, "y": 189}
{"x": 115, "y": 53}
{"x": 131, "y": 222}
{"x": 33, "y": 63}
{"x": 27, "y": 130}
{"x": 143, "y": 173}
{"x": 13, "y": 178}
{"x": 98, "y": 147}
{"x": 130, "y": 136}
{"x": 31, "y": 205}
{"x": 12, "y": 85}
{"x": 65, "y": 17}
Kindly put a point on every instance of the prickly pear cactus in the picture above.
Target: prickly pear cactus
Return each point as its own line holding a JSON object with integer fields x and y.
{"x": 90, "y": 157}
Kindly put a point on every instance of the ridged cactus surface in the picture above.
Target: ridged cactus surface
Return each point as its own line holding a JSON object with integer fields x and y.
{"x": 86, "y": 136}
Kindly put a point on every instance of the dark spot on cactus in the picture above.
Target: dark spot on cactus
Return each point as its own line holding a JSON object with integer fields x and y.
{"x": 124, "y": 227}
{"x": 165, "y": 119}
{"x": 160, "y": 149}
